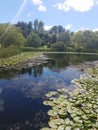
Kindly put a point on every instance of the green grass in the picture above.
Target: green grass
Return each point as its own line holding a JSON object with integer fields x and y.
{"x": 8, "y": 52}
{"x": 22, "y": 57}
{"x": 5, "y": 53}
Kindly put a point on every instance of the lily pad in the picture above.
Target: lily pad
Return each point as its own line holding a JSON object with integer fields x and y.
{"x": 52, "y": 113}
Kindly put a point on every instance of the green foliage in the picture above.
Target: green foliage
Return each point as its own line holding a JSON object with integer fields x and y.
{"x": 36, "y": 36}
{"x": 85, "y": 39}
{"x": 7, "y": 52}
{"x": 38, "y": 26}
{"x": 12, "y": 37}
{"x": 13, "y": 60}
{"x": 65, "y": 37}
{"x": 33, "y": 40}
{"x": 59, "y": 46}
{"x": 76, "y": 110}
{"x": 26, "y": 28}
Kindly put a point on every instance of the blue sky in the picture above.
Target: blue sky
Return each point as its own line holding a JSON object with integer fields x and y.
{"x": 72, "y": 14}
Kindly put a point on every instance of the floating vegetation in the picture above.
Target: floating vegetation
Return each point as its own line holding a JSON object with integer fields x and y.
{"x": 76, "y": 110}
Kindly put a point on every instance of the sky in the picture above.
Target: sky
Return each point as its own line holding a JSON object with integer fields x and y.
{"x": 73, "y": 15}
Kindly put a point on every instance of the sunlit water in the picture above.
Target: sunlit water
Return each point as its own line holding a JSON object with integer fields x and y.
{"x": 22, "y": 92}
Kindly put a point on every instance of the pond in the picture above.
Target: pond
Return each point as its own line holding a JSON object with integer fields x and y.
{"x": 22, "y": 92}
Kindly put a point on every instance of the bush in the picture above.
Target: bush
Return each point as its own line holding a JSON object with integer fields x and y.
{"x": 59, "y": 46}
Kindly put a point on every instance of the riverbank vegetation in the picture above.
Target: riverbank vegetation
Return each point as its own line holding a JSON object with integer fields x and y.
{"x": 33, "y": 35}
{"x": 76, "y": 110}
{"x": 16, "y": 59}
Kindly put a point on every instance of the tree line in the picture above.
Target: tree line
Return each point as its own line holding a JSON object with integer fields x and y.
{"x": 33, "y": 34}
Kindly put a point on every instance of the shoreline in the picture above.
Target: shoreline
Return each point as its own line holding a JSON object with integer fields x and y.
{"x": 28, "y": 63}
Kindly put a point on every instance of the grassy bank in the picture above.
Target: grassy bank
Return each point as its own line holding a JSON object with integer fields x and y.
{"x": 21, "y": 57}
{"x": 77, "y": 110}
{"x": 11, "y": 51}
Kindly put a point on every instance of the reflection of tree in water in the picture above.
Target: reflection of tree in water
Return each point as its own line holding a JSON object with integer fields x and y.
{"x": 38, "y": 70}
{"x": 27, "y": 70}
{"x": 8, "y": 74}
{"x": 1, "y": 102}
{"x": 56, "y": 62}
{"x": 62, "y": 60}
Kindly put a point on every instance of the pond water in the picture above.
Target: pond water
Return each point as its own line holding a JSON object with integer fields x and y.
{"x": 22, "y": 92}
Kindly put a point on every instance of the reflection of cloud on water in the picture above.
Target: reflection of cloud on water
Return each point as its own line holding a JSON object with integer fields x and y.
{"x": 1, "y": 105}
{"x": 37, "y": 87}
{"x": 39, "y": 121}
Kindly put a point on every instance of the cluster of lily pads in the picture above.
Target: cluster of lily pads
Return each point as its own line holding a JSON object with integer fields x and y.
{"x": 16, "y": 59}
{"x": 76, "y": 110}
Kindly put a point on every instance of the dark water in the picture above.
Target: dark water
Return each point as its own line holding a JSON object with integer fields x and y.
{"x": 22, "y": 92}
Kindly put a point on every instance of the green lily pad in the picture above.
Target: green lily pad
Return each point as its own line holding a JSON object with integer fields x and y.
{"x": 52, "y": 113}
{"x": 67, "y": 121}
{"x": 52, "y": 124}
{"x": 48, "y": 103}
{"x": 68, "y": 128}
{"x": 61, "y": 127}
{"x": 62, "y": 113}
{"x": 50, "y": 94}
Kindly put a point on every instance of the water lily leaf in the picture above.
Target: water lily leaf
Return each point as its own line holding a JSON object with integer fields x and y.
{"x": 61, "y": 127}
{"x": 78, "y": 103}
{"x": 96, "y": 110}
{"x": 76, "y": 128}
{"x": 52, "y": 113}
{"x": 72, "y": 100}
{"x": 64, "y": 90}
{"x": 86, "y": 110}
{"x": 73, "y": 115}
{"x": 67, "y": 121}
{"x": 68, "y": 128}
{"x": 52, "y": 124}
{"x": 48, "y": 103}
{"x": 62, "y": 113}
{"x": 63, "y": 97}
{"x": 84, "y": 117}
{"x": 50, "y": 94}
{"x": 76, "y": 118}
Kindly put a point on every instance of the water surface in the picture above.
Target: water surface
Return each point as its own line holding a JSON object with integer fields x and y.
{"x": 22, "y": 92}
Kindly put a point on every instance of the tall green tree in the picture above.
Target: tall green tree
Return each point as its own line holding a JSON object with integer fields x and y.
{"x": 36, "y": 25}
{"x": 12, "y": 37}
{"x": 65, "y": 38}
{"x": 40, "y": 26}
{"x": 33, "y": 40}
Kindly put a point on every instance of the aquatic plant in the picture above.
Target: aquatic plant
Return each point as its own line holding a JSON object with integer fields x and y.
{"x": 76, "y": 110}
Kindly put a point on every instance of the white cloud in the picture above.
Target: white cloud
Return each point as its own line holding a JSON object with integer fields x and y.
{"x": 82, "y": 29}
{"x": 77, "y": 5}
{"x": 40, "y": 5}
{"x": 96, "y": 29}
{"x": 68, "y": 26}
{"x": 42, "y": 8}
{"x": 37, "y": 2}
{"x": 47, "y": 27}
